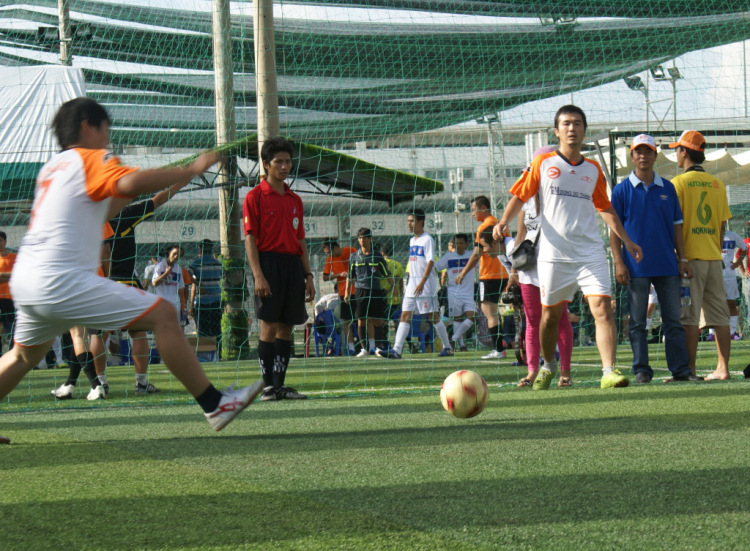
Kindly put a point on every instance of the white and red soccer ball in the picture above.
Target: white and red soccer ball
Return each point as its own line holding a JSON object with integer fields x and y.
{"x": 464, "y": 394}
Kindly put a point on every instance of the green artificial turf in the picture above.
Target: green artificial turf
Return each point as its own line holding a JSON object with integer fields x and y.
{"x": 649, "y": 467}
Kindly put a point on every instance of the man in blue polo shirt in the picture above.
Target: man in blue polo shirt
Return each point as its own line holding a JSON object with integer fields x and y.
{"x": 650, "y": 211}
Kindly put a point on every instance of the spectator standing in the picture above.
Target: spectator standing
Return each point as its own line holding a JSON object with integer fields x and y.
{"x": 168, "y": 280}
{"x": 336, "y": 269}
{"x": 703, "y": 200}
{"x": 648, "y": 207}
{"x": 394, "y": 293}
{"x": 7, "y": 310}
{"x": 205, "y": 293}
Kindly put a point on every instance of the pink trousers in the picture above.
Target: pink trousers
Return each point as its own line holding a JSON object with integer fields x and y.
{"x": 532, "y": 307}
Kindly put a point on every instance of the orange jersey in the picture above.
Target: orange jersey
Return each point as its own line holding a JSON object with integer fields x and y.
{"x": 6, "y": 265}
{"x": 340, "y": 264}
{"x": 107, "y": 232}
{"x": 489, "y": 267}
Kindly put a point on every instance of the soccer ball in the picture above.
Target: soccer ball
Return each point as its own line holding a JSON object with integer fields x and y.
{"x": 464, "y": 394}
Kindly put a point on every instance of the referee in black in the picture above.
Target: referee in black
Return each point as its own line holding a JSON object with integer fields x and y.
{"x": 277, "y": 253}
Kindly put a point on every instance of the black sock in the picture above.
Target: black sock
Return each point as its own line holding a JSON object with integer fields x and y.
{"x": 266, "y": 358}
{"x": 74, "y": 371}
{"x": 497, "y": 338}
{"x": 283, "y": 350}
{"x": 87, "y": 361}
{"x": 379, "y": 337}
{"x": 209, "y": 400}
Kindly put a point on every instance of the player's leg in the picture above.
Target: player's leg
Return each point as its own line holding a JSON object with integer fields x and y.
{"x": 678, "y": 359}
{"x": 403, "y": 330}
{"x": 733, "y": 293}
{"x": 98, "y": 347}
{"x": 532, "y": 308}
{"x": 565, "y": 346}
{"x": 17, "y": 362}
{"x": 639, "y": 290}
{"x": 440, "y": 328}
{"x": 690, "y": 315}
{"x": 716, "y": 314}
{"x": 653, "y": 300}
{"x": 345, "y": 311}
{"x": 140, "y": 352}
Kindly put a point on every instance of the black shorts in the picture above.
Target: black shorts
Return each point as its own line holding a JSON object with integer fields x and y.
{"x": 286, "y": 278}
{"x": 491, "y": 289}
{"x": 345, "y": 309}
{"x": 369, "y": 303}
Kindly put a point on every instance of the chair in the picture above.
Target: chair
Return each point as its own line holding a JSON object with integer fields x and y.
{"x": 324, "y": 329}
{"x": 423, "y": 336}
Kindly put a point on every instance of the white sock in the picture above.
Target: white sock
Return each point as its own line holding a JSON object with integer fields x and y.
{"x": 607, "y": 370}
{"x": 648, "y": 323}
{"x": 140, "y": 378}
{"x": 371, "y": 342}
{"x": 442, "y": 332}
{"x": 351, "y": 346}
{"x": 401, "y": 333}
{"x": 732, "y": 324}
{"x": 550, "y": 366}
{"x": 456, "y": 325}
{"x": 102, "y": 378}
{"x": 58, "y": 350}
{"x": 462, "y": 329}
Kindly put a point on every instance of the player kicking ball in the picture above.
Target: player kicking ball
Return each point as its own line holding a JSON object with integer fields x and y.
{"x": 571, "y": 190}
{"x": 421, "y": 291}
{"x": 55, "y": 283}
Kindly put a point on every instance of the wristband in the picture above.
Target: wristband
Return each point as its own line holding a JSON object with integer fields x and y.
{"x": 308, "y": 275}
{"x": 683, "y": 260}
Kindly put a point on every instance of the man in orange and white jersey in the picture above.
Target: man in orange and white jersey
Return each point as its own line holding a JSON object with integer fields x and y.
{"x": 570, "y": 190}
{"x": 54, "y": 282}
{"x": 7, "y": 310}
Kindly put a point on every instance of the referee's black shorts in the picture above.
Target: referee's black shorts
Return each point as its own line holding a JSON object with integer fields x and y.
{"x": 369, "y": 303}
{"x": 286, "y": 278}
{"x": 491, "y": 289}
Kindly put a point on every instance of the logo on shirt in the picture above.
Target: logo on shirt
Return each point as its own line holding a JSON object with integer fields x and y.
{"x": 416, "y": 250}
{"x": 553, "y": 172}
{"x": 108, "y": 156}
{"x": 295, "y": 223}
{"x": 663, "y": 197}
{"x": 586, "y": 179}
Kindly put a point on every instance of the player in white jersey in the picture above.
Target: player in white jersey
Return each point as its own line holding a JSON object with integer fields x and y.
{"x": 733, "y": 251}
{"x": 55, "y": 283}
{"x": 571, "y": 189}
{"x": 167, "y": 279}
{"x": 421, "y": 291}
{"x": 461, "y": 305}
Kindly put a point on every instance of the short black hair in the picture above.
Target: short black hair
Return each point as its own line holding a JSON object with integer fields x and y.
{"x": 571, "y": 110}
{"x": 2, "y": 234}
{"x": 330, "y": 243}
{"x": 487, "y": 236}
{"x": 67, "y": 122}
{"x": 364, "y": 232}
{"x": 697, "y": 157}
{"x": 385, "y": 249}
{"x": 481, "y": 201}
{"x": 206, "y": 246}
{"x": 418, "y": 214}
{"x": 169, "y": 250}
{"x": 272, "y": 146}
{"x": 463, "y": 236}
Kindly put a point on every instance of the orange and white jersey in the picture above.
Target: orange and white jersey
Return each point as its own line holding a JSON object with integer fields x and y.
{"x": 71, "y": 203}
{"x": 569, "y": 196}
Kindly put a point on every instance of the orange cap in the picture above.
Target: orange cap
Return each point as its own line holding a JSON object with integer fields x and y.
{"x": 692, "y": 139}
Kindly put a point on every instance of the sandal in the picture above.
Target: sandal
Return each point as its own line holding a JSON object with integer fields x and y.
{"x": 525, "y": 382}
{"x": 564, "y": 381}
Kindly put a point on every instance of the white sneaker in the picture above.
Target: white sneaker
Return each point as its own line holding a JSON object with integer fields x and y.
{"x": 233, "y": 401}
{"x": 363, "y": 353}
{"x": 494, "y": 355}
{"x": 96, "y": 393}
{"x": 65, "y": 392}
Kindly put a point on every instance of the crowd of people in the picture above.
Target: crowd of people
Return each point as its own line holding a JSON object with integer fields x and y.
{"x": 669, "y": 243}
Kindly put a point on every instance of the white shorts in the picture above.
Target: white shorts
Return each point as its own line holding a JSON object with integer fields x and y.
{"x": 459, "y": 305}
{"x": 733, "y": 291}
{"x": 559, "y": 281}
{"x": 94, "y": 302}
{"x": 652, "y": 298}
{"x": 420, "y": 305}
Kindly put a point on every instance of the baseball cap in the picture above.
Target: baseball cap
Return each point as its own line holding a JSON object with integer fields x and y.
{"x": 692, "y": 139}
{"x": 643, "y": 139}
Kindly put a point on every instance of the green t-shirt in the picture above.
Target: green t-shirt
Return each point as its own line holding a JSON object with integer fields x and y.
{"x": 397, "y": 273}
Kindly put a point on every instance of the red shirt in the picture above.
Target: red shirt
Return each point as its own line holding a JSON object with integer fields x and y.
{"x": 275, "y": 220}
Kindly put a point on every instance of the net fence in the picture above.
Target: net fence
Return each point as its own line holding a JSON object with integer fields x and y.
{"x": 392, "y": 105}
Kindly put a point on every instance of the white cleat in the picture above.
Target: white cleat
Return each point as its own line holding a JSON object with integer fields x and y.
{"x": 363, "y": 353}
{"x": 65, "y": 392}
{"x": 494, "y": 355}
{"x": 233, "y": 401}
{"x": 96, "y": 394}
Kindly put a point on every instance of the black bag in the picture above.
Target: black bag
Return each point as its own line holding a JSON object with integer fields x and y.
{"x": 523, "y": 255}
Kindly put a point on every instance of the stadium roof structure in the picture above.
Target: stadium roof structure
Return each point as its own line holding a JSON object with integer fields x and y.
{"x": 332, "y": 173}
{"x": 358, "y": 69}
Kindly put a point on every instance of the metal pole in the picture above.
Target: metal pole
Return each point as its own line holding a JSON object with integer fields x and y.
{"x": 265, "y": 73}
{"x": 66, "y": 37}
{"x": 674, "y": 104}
{"x": 744, "y": 71}
{"x": 491, "y": 146}
{"x": 647, "y": 106}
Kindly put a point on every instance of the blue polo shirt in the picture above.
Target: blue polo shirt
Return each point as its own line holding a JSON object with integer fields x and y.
{"x": 649, "y": 214}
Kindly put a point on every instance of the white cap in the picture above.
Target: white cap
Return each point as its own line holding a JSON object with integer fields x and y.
{"x": 643, "y": 139}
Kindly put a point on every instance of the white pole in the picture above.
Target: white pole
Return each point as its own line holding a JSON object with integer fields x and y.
{"x": 66, "y": 38}
{"x": 265, "y": 73}
{"x": 491, "y": 146}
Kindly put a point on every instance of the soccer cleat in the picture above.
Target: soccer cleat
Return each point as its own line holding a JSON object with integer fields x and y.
{"x": 106, "y": 389}
{"x": 543, "y": 380}
{"x": 445, "y": 352}
{"x": 614, "y": 380}
{"x": 269, "y": 395}
{"x": 362, "y": 353}
{"x": 494, "y": 355}
{"x": 350, "y": 352}
{"x": 96, "y": 394}
{"x": 391, "y": 354}
{"x": 373, "y": 351}
{"x": 463, "y": 349}
{"x": 148, "y": 388}
{"x": 65, "y": 392}
{"x": 233, "y": 401}
{"x": 288, "y": 393}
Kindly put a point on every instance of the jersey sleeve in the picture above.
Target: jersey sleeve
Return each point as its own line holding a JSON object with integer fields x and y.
{"x": 328, "y": 267}
{"x": 384, "y": 267}
{"x": 678, "y": 218}
{"x": 107, "y": 231}
{"x": 158, "y": 270}
{"x": 250, "y": 214}
{"x": 740, "y": 243}
{"x": 528, "y": 184}
{"x": 429, "y": 250}
{"x": 442, "y": 263}
{"x": 300, "y": 220}
{"x": 618, "y": 202}
{"x": 103, "y": 170}
{"x": 182, "y": 282}
{"x": 599, "y": 197}
{"x": 726, "y": 213}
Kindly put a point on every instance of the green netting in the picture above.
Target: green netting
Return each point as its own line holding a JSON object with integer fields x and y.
{"x": 391, "y": 105}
